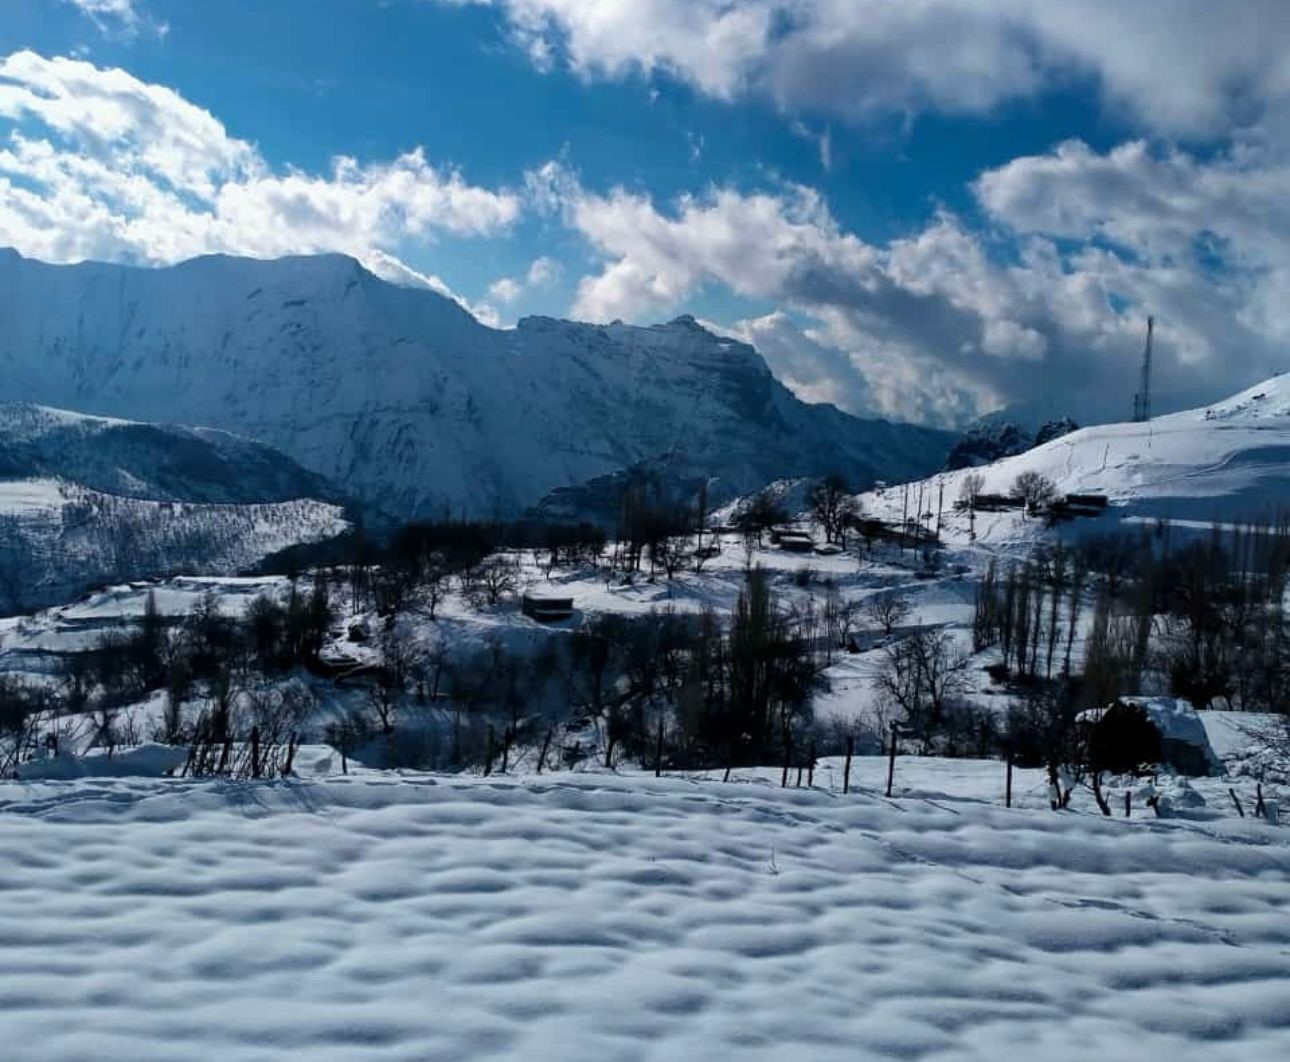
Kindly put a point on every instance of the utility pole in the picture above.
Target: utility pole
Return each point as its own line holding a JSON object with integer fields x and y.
{"x": 1142, "y": 400}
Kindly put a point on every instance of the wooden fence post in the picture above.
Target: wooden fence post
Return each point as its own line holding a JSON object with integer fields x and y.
{"x": 810, "y": 768}
{"x": 1128, "y": 803}
{"x": 1007, "y": 790}
{"x": 891, "y": 760}
{"x": 846, "y": 770}
{"x": 658, "y": 750}
{"x": 546, "y": 745}
{"x": 255, "y": 752}
{"x": 1239, "y": 810}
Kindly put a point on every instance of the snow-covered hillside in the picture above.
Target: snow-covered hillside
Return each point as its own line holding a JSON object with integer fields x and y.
{"x": 58, "y": 539}
{"x": 401, "y": 397}
{"x": 159, "y": 462}
{"x": 1227, "y": 462}
{"x": 85, "y": 500}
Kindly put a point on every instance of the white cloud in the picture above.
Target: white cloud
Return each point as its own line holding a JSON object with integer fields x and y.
{"x": 126, "y": 17}
{"x": 948, "y": 322}
{"x": 1177, "y": 66}
{"x": 816, "y": 371}
{"x": 543, "y": 272}
{"x": 505, "y": 290}
{"x": 99, "y": 164}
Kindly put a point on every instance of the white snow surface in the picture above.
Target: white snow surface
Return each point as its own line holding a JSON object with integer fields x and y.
{"x": 606, "y": 917}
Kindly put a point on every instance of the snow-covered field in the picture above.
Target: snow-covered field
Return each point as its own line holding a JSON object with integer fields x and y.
{"x": 601, "y": 917}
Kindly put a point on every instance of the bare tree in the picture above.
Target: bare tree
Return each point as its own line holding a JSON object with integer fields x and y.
{"x": 398, "y": 659}
{"x": 839, "y": 617}
{"x": 495, "y": 579}
{"x": 434, "y": 585}
{"x": 832, "y": 506}
{"x": 1035, "y": 490}
{"x": 22, "y": 709}
{"x": 922, "y": 677}
{"x": 973, "y": 487}
{"x": 888, "y": 610}
{"x": 758, "y": 514}
{"x": 670, "y": 554}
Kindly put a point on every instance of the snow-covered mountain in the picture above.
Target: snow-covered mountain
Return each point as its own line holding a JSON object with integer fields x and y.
{"x": 402, "y": 398}
{"x": 86, "y": 500}
{"x": 1226, "y": 462}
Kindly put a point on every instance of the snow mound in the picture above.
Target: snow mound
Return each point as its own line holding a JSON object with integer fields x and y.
{"x": 150, "y": 760}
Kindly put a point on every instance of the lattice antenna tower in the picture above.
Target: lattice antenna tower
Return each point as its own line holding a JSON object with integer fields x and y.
{"x": 1142, "y": 400}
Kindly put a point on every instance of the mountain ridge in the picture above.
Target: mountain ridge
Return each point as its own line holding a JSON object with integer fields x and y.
{"x": 402, "y": 398}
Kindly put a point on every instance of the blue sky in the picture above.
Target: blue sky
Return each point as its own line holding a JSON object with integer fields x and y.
{"x": 926, "y": 209}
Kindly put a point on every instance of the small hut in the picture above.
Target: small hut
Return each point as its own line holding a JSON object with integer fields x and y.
{"x": 796, "y": 542}
{"x": 1184, "y": 745}
{"x": 547, "y": 609}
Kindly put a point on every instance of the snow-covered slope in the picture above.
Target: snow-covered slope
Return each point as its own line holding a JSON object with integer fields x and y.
{"x": 84, "y": 500}
{"x": 404, "y": 399}
{"x": 1227, "y": 462}
{"x": 160, "y": 462}
{"x": 58, "y": 539}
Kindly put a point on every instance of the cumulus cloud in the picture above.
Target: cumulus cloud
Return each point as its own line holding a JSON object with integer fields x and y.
{"x": 953, "y": 321}
{"x": 505, "y": 289}
{"x": 816, "y": 371}
{"x": 542, "y": 273}
{"x": 98, "y": 164}
{"x": 1176, "y": 66}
